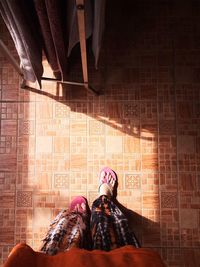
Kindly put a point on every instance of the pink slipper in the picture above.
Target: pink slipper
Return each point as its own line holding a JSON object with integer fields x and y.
{"x": 114, "y": 176}
{"x": 78, "y": 200}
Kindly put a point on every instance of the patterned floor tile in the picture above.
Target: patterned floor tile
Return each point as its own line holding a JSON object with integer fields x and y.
{"x": 24, "y": 199}
{"x": 144, "y": 125}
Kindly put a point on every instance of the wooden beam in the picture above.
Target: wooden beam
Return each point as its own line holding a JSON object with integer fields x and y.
{"x": 80, "y": 4}
{"x": 82, "y": 36}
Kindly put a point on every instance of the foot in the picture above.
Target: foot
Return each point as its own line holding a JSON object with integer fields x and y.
{"x": 107, "y": 183}
{"x": 79, "y": 204}
{"x": 80, "y": 208}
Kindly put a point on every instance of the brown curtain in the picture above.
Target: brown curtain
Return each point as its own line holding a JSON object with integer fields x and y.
{"x": 52, "y": 18}
{"x": 21, "y": 20}
{"x": 50, "y": 25}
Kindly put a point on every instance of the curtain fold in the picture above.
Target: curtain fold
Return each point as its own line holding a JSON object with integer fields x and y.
{"x": 72, "y": 23}
{"x": 94, "y": 24}
{"x": 50, "y": 26}
{"x": 21, "y": 21}
{"x": 53, "y": 23}
{"x": 98, "y": 28}
{"x": 49, "y": 48}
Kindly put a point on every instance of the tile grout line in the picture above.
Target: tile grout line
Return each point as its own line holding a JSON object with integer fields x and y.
{"x": 1, "y": 84}
{"x": 158, "y": 151}
{"x": 35, "y": 125}
{"x": 176, "y": 129}
{"x": 141, "y": 166}
{"x": 69, "y": 188}
{"x": 87, "y": 138}
{"x": 17, "y": 167}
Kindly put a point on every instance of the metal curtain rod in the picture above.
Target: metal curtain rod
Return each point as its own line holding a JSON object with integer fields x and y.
{"x": 87, "y": 86}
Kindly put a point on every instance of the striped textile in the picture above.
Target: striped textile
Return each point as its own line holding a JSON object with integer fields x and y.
{"x": 107, "y": 230}
{"x": 109, "y": 226}
{"x": 68, "y": 229}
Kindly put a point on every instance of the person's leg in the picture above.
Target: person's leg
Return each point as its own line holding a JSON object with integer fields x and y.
{"x": 69, "y": 229}
{"x": 109, "y": 226}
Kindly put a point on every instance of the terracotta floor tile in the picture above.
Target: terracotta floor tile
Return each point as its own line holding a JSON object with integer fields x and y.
{"x": 144, "y": 125}
{"x": 9, "y": 127}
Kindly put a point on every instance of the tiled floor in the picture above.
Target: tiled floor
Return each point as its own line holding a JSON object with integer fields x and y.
{"x": 145, "y": 125}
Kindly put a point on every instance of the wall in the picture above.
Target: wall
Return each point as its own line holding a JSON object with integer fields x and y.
{"x": 144, "y": 125}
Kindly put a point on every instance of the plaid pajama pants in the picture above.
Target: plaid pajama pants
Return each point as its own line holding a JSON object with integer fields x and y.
{"x": 107, "y": 229}
{"x": 109, "y": 226}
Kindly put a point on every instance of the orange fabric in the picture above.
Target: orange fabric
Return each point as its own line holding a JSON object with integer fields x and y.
{"x": 22, "y": 256}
